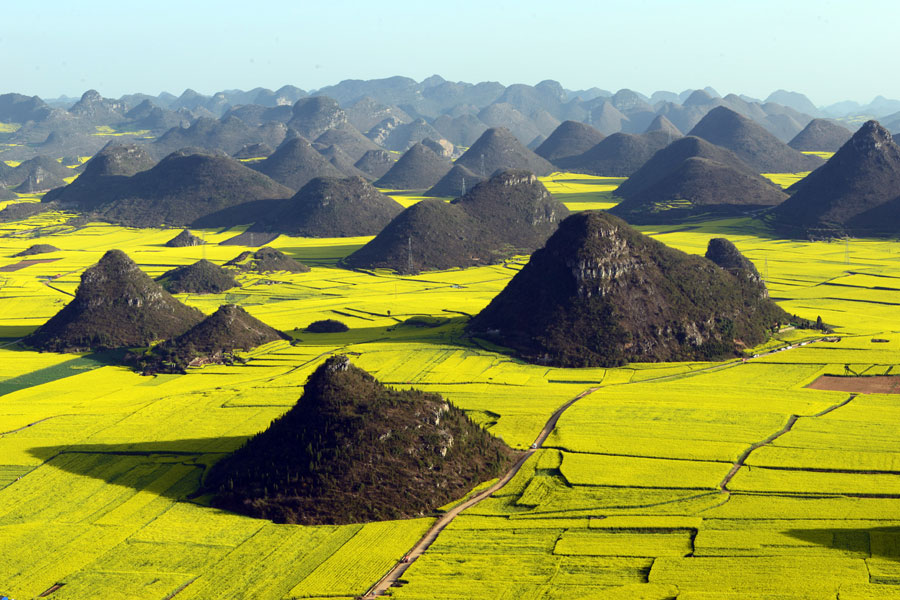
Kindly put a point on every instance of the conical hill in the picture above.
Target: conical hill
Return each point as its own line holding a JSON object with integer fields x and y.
{"x": 184, "y": 240}
{"x": 333, "y": 207}
{"x": 852, "y": 193}
{"x": 418, "y": 169}
{"x": 618, "y": 155}
{"x": 497, "y": 148}
{"x": 569, "y": 139}
{"x": 117, "y": 305}
{"x": 266, "y": 259}
{"x": 294, "y": 163}
{"x": 761, "y": 150}
{"x": 201, "y": 277}
{"x": 692, "y": 176}
{"x": 353, "y": 450}
{"x": 455, "y": 183}
{"x": 511, "y": 213}
{"x": 600, "y": 293}
{"x": 821, "y": 135}
{"x": 212, "y": 340}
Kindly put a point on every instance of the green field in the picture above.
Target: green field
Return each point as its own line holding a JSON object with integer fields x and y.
{"x": 634, "y": 495}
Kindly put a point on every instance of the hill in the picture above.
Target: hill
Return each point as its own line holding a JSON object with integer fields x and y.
{"x": 418, "y": 169}
{"x": 497, "y": 148}
{"x": 852, "y": 193}
{"x": 104, "y": 176}
{"x": 35, "y": 169}
{"x": 691, "y": 176}
{"x": 37, "y": 249}
{"x": 348, "y": 139}
{"x": 213, "y": 340}
{"x": 375, "y": 163}
{"x": 294, "y": 163}
{"x": 182, "y": 188}
{"x": 511, "y": 213}
{"x": 599, "y": 293}
{"x": 661, "y": 123}
{"x": 821, "y": 135}
{"x": 184, "y": 240}
{"x": 353, "y": 450}
{"x": 313, "y": 116}
{"x": 455, "y": 183}
{"x": 331, "y": 207}
{"x": 569, "y": 139}
{"x": 761, "y": 150}
{"x": 201, "y": 277}
{"x": 618, "y": 155}
{"x": 116, "y": 305}
{"x": 266, "y": 259}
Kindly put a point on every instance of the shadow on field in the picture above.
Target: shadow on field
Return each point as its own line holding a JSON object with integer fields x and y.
{"x": 877, "y": 542}
{"x": 142, "y": 466}
{"x": 15, "y": 332}
{"x": 76, "y": 366}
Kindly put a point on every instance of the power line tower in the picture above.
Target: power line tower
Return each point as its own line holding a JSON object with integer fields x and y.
{"x": 482, "y": 166}
{"x": 409, "y": 253}
{"x": 847, "y": 250}
{"x": 462, "y": 188}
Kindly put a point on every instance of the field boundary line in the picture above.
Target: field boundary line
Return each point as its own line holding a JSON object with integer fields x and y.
{"x": 392, "y": 576}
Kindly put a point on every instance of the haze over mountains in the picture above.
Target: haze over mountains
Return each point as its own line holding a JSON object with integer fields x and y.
{"x": 394, "y": 114}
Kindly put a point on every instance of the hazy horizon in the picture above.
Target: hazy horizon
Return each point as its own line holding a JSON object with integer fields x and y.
{"x": 818, "y": 49}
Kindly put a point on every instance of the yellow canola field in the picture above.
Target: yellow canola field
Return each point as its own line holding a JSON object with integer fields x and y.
{"x": 684, "y": 480}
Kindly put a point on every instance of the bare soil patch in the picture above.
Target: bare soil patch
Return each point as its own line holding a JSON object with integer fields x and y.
{"x": 876, "y": 384}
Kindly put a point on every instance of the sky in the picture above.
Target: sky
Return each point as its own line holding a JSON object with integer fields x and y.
{"x": 829, "y": 50}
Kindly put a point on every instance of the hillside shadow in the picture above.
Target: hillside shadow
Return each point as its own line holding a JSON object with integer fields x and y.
{"x": 878, "y": 542}
{"x": 140, "y": 466}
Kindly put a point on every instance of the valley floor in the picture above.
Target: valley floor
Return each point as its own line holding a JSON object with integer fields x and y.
{"x": 688, "y": 480}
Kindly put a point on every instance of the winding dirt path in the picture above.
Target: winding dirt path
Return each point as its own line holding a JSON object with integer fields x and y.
{"x": 422, "y": 545}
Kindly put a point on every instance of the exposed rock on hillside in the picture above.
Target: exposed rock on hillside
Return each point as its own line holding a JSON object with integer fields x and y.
{"x": 602, "y": 294}
{"x": 117, "y": 305}
{"x": 353, "y": 450}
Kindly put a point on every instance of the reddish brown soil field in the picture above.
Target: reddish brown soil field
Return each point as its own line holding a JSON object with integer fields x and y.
{"x": 877, "y": 384}
{"x": 25, "y": 263}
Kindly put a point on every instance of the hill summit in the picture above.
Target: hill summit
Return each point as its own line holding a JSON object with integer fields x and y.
{"x": 354, "y": 450}
{"x": 856, "y": 191}
{"x": 116, "y": 305}
{"x": 212, "y": 340}
{"x": 498, "y": 148}
{"x": 600, "y": 293}
{"x": 266, "y": 259}
{"x": 511, "y": 213}
{"x": 821, "y": 135}
{"x": 201, "y": 277}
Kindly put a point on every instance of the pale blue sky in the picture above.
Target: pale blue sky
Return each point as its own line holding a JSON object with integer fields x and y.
{"x": 828, "y": 50}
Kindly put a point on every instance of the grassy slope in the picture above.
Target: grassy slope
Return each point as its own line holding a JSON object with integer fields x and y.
{"x": 628, "y": 486}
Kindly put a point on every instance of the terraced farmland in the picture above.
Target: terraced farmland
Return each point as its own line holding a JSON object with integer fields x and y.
{"x": 688, "y": 480}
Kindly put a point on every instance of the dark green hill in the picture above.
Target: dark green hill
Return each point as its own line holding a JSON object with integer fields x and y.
{"x": 266, "y": 259}
{"x": 455, "y": 183}
{"x": 661, "y": 123}
{"x": 353, "y": 450}
{"x": 37, "y": 249}
{"x": 761, "y": 150}
{"x": 852, "y": 193}
{"x": 511, "y": 213}
{"x": 332, "y": 207}
{"x": 602, "y": 294}
{"x": 315, "y": 115}
{"x": 342, "y": 162}
{"x": 213, "y": 340}
{"x": 691, "y": 176}
{"x": 104, "y": 176}
{"x": 821, "y": 135}
{"x": 6, "y": 193}
{"x": 201, "y": 277}
{"x": 347, "y": 138}
{"x": 294, "y": 163}
{"x": 569, "y": 139}
{"x": 39, "y": 180}
{"x": 117, "y": 305}
{"x": 418, "y": 169}
{"x": 185, "y": 187}
{"x": 496, "y": 149}
{"x": 40, "y": 167}
{"x": 375, "y": 163}
{"x": 184, "y": 240}
{"x": 618, "y": 155}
